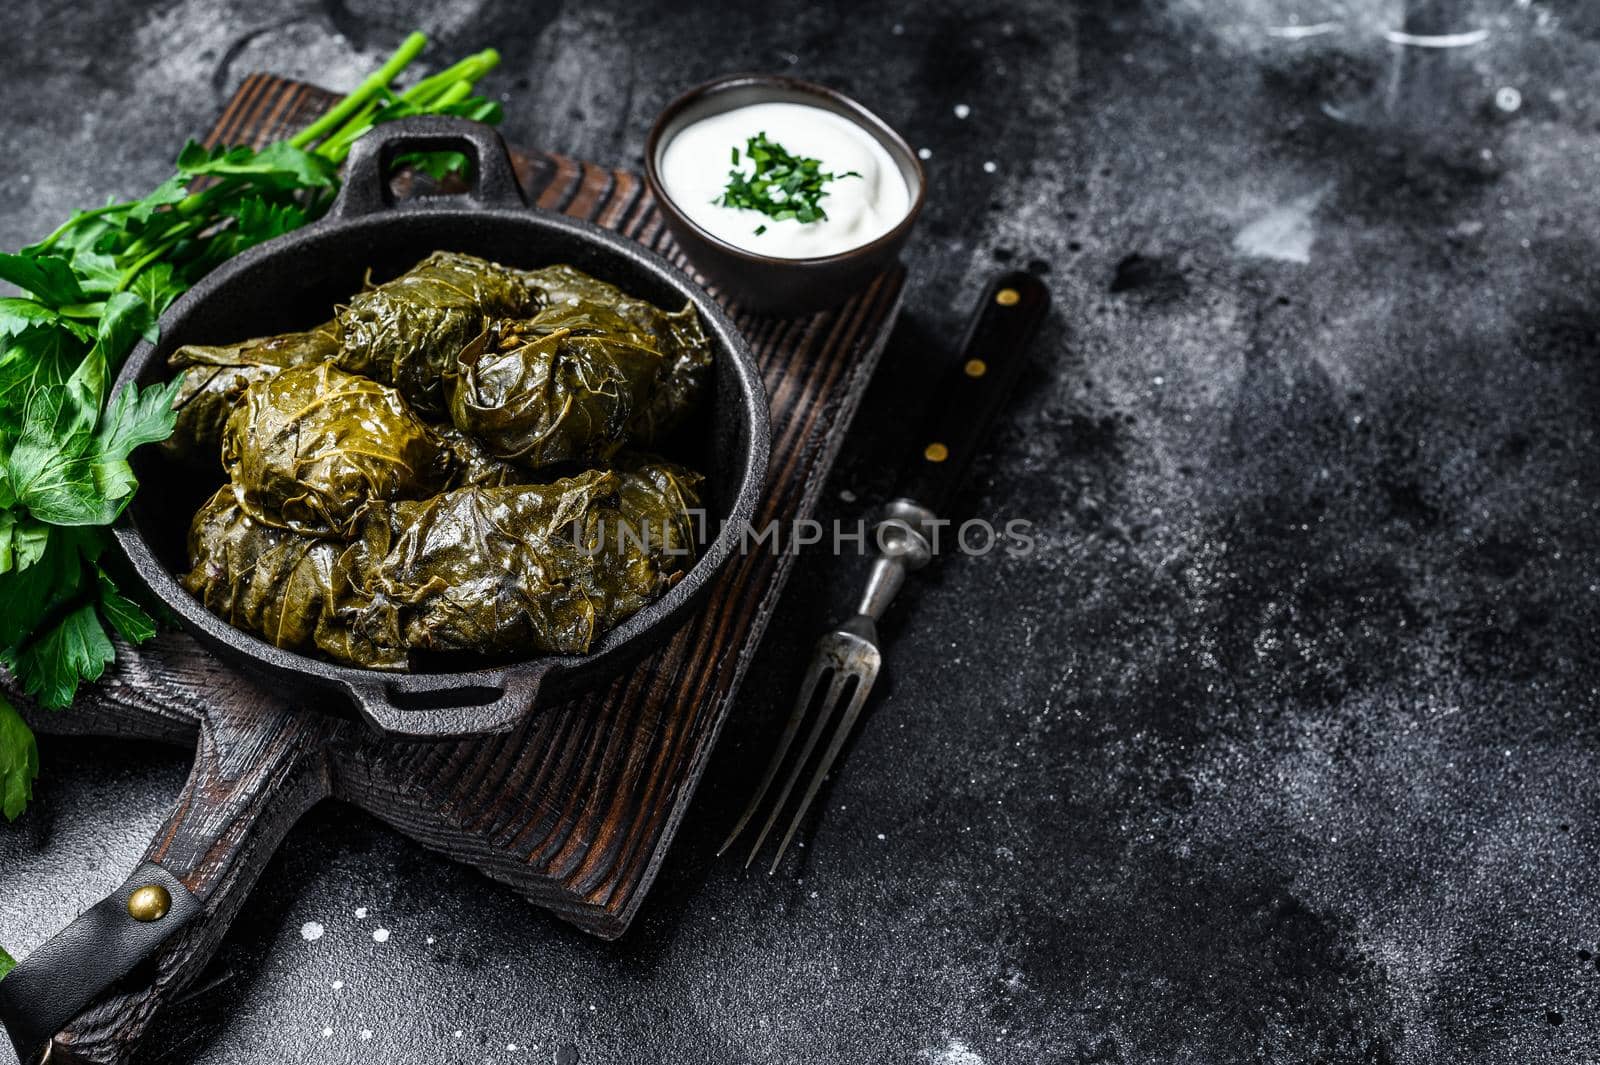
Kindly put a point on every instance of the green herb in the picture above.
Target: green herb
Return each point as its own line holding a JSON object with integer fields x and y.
{"x": 780, "y": 185}
{"x": 7, "y": 963}
{"x": 90, "y": 290}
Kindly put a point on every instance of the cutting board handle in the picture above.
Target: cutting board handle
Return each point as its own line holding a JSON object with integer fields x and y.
{"x": 89, "y": 993}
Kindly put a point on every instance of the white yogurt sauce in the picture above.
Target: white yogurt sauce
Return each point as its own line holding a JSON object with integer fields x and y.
{"x": 694, "y": 170}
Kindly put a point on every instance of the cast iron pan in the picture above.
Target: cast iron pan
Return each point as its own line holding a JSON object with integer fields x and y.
{"x": 294, "y": 282}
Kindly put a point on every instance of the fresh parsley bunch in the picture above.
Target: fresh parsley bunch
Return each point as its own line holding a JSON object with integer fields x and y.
{"x": 90, "y": 290}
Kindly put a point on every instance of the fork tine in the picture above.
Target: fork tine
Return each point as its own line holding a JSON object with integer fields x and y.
{"x": 808, "y": 688}
{"x": 824, "y": 712}
{"x": 858, "y": 698}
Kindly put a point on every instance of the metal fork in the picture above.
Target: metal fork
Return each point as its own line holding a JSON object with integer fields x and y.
{"x": 848, "y": 659}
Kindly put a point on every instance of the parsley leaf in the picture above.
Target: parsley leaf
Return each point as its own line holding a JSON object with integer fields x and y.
{"x": 74, "y": 648}
{"x": 48, "y": 277}
{"x": 19, "y": 765}
{"x": 22, "y": 540}
{"x": 36, "y": 362}
{"x": 125, "y": 616}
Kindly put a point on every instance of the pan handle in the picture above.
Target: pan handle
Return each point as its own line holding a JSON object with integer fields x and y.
{"x": 366, "y": 175}
{"x": 91, "y": 990}
{"x": 439, "y": 705}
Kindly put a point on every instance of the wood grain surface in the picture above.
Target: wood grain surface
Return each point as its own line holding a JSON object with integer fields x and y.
{"x": 575, "y": 808}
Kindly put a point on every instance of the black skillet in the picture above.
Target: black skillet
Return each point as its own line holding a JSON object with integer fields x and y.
{"x": 295, "y": 281}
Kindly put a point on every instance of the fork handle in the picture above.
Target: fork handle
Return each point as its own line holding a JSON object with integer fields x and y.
{"x": 992, "y": 357}
{"x": 903, "y": 546}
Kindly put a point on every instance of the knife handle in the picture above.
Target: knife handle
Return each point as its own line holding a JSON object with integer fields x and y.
{"x": 992, "y": 357}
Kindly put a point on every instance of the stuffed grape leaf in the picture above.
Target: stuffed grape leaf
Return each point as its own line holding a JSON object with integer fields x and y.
{"x": 408, "y": 332}
{"x": 677, "y": 335}
{"x": 215, "y": 376}
{"x": 271, "y": 581}
{"x": 561, "y": 387}
{"x": 311, "y": 446}
{"x": 540, "y": 568}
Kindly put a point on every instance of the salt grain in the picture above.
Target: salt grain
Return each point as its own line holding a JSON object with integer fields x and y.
{"x": 380, "y": 935}
{"x": 924, "y": 153}
{"x": 311, "y": 931}
{"x": 361, "y": 913}
{"x": 962, "y": 110}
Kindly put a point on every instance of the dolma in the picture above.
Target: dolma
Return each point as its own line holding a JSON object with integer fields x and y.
{"x": 407, "y": 332}
{"x": 562, "y": 387}
{"x": 677, "y": 335}
{"x": 270, "y": 581}
{"x": 215, "y": 376}
{"x": 310, "y": 447}
{"x": 644, "y": 543}
{"x": 517, "y": 570}
{"x": 492, "y": 570}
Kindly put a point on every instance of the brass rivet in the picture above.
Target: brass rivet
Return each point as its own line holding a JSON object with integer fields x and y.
{"x": 149, "y": 903}
{"x": 976, "y": 367}
{"x": 936, "y": 452}
{"x": 1006, "y": 297}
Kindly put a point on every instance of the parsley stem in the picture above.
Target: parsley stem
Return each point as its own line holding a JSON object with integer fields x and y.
{"x": 409, "y": 49}
{"x": 72, "y": 223}
{"x": 171, "y": 239}
{"x": 470, "y": 70}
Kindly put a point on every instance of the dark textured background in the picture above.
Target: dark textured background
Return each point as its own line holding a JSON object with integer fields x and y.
{"x": 1281, "y": 747}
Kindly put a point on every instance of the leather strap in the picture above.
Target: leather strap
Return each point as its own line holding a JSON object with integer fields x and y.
{"x": 62, "y": 977}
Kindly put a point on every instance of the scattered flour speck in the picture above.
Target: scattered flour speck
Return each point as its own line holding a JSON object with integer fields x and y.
{"x": 311, "y": 931}
{"x": 361, "y": 913}
{"x": 990, "y": 166}
{"x": 458, "y": 1033}
{"x": 955, "y": 1052}
{"x": 337, "y": 984}
{"x": 924, "y": 153}
{"x": 326, "y": 1032}
{"x": 431, "y": 941}
{"x": 962, "y": 110}
{"x": 380, "y": 935}
{"x": 366, "y": 1033}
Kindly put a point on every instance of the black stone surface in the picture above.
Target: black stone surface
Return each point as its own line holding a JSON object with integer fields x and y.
{"x": 1281, "y": 745}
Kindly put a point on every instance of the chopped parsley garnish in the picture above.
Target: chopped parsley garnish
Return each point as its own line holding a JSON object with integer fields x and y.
{"x": 781, "y": 184}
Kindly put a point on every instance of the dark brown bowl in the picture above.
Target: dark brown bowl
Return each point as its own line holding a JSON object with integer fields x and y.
{"x": 766, "y": 283}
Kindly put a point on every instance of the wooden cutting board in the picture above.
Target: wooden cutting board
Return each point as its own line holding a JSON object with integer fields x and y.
{"x": 576, "y": 807}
